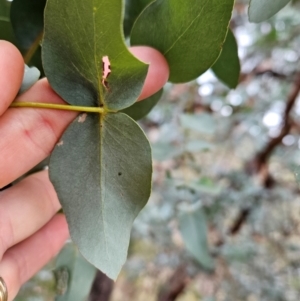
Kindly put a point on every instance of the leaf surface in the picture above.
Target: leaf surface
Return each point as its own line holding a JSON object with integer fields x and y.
{"x": 85, "y": 57}
{"x": 142, "y": 108}
{"x": 74, "y": 275}
{"x": 227, "y": 68}
{"x": 6, "y": 32}
{"x": 4, "y": 10}
{"x": 132, "y": 10}
{"x": 192, "y": 224}
{"x": 202, "y": 123}
{"x": 261, "y": 10}
{"x": 102, "y": 175}
{"x": 27, "y": 18}
{"x": 185, "y": 32}
{"x": 101, "y": 169}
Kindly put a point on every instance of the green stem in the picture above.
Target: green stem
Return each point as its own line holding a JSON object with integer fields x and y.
{"x": 57, "y": 107}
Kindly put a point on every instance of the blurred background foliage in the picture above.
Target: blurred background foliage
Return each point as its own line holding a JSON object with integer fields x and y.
{"x": 223, "y": 221}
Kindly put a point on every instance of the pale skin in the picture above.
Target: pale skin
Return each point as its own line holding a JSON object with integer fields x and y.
{"x": 31, "y": 231}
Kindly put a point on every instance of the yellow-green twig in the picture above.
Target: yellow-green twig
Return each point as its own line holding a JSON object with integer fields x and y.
{"x": 57, "y": 107}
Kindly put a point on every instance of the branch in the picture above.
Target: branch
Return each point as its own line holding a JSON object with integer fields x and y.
{"x": 175, "y": 285}
{"x": 258, "y": 165}
{"x": 102, "y": 288}
{"x": 239, "y": 222}
{"x": 261, "y": 158}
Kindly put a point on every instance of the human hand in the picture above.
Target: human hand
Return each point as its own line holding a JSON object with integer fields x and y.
{"x": 31, "y": 231}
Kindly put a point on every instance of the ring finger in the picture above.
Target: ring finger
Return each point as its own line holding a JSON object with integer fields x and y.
{"x": 25, "y": 259}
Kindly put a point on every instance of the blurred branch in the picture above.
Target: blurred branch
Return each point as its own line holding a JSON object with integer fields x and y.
{"x": 259, "y": 164}
{"x": 175, "y": 285}
{"x": 260, "y": 160}
{"x": 238, "y": 223}
{"x": 102, "y": 288}
{"x": 259, "y": 71}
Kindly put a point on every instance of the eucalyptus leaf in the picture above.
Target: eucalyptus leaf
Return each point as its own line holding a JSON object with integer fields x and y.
{"x": 133, "y": 8}
{"x": 6, "y": 32}
{"x": 101, "y": 171}
{"x": 185, "y": 32}
{"x": 202, "y": 187}
{"x": 28, "y": 21}
{"x": 227, "y": 68}
{"x": 261, "y": 10}
{"x": 85, "y": 58}
{"x": 166, "y": 150}
{"x": 4, "y": 10}
{"x": 193, "y": 228}
{"x": 202, "y": 123}
{"x": 142, "y": 108}
{"x": 196, "y": 146}
{"x": 74, "y": 275}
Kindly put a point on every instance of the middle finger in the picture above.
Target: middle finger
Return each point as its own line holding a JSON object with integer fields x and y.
{"x": 25, "y": 208}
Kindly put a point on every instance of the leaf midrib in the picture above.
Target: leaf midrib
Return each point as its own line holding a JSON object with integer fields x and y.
{"x": 102, "y": 180}
{"x": 188, "y": 27}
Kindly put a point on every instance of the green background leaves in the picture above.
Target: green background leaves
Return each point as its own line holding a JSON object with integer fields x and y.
{"x": 186, "y": 32}
{"x": 27, "y": 21}
{"x": 141, "y": 108}
{"x": 192, "y": 224}
{"x": 261, "y": 10}
{"x": 227, "y": 67}
{"x": 132, "y": 10}
{"x": 74, "y": 275}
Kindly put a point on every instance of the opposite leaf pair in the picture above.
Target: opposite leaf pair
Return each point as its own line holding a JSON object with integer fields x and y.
{"x": 101, "y": 169}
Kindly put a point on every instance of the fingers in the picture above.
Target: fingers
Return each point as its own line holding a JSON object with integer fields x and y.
{"x": 158, "y": 72}
{"x": 29, "y": 135}
{"x": 22, "y": 261}
{"x": 25, "y": 208}
{"x": 11, "y": 74}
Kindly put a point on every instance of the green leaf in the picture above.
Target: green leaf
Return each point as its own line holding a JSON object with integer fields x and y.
{"x": 142, "y": 108}
{"x": 6, "y": 32}
{"x": 196, "y": 146}
{"x": 28, "y": 21}
{"x": 192, "y": 224}
{"x": 202, "y": 123}
{"x": 4, "y": 10}
{"x": 83, "y": 44}
{"x": 101, "y": 171}
{"x": 203, "y": 186}
{"x": 190, "y": 34}
{"x": 102, "y": 167}
{"x": 165, "y": 151}
{"x": 74, "y": 275}
{"x": 227, "y": 68}
{"x": 133, "y": 8}
{"x": 261, "y": 10}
